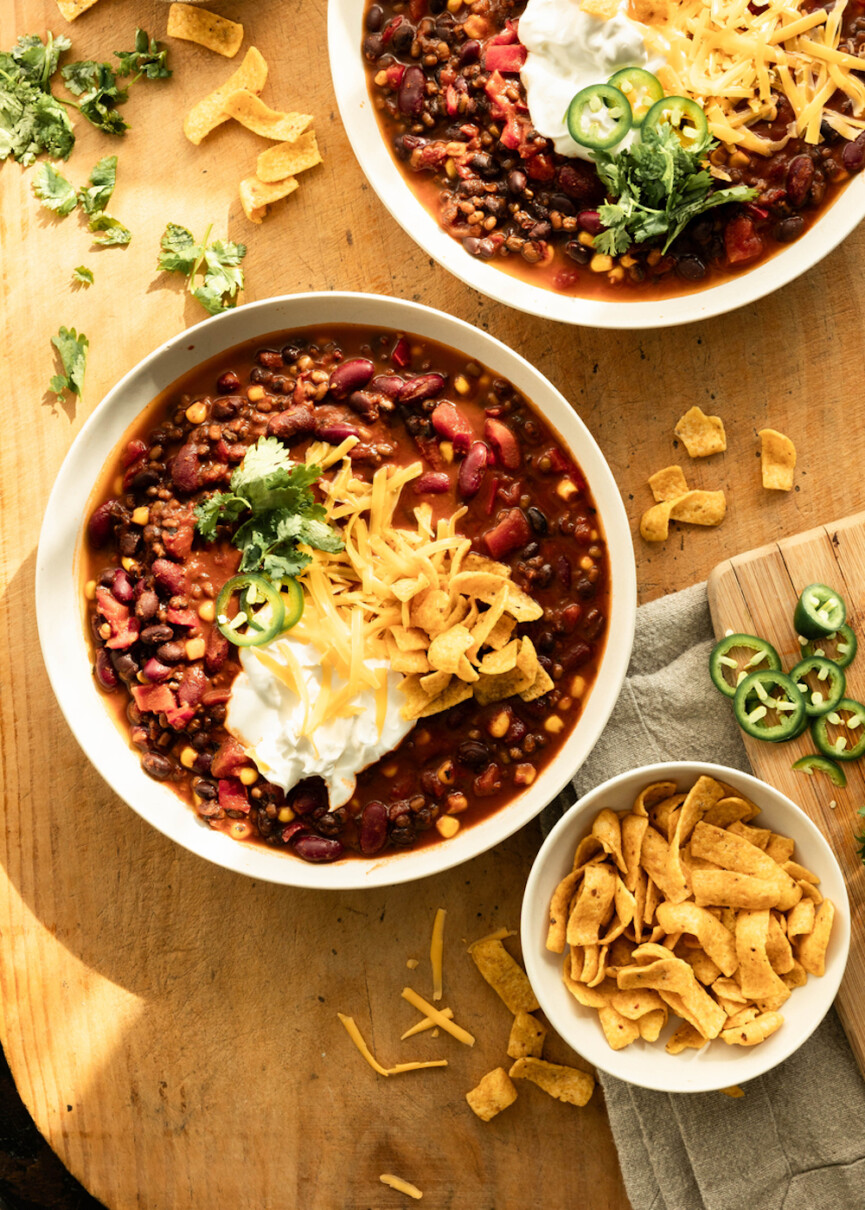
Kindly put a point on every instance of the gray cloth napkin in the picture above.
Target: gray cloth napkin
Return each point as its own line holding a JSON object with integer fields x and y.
{"x": 796, "y": 1140}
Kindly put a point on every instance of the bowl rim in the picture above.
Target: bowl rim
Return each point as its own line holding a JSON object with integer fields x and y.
{"x": 58, "y": 578}
{"x": 750, "y": 1062}
{"x": 345, "y": 28}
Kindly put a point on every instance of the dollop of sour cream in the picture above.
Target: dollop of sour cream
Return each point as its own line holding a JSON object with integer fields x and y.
{"x": 570, "y": 50}
{"x": 266, "y": 717}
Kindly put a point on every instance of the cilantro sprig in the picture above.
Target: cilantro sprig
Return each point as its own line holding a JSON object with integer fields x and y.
{"x": 147, "y": 59}
{"x": 96, "y": 83}
{"x": 53, "y": 190}
{"x": 56, "y": 193}
{"x": 82, "y": 276}
{"x": 72, "y": 349}
{"x": 659, "y": 187}
{"x": 32, "y": 120}
{"x": 279, "y": 511}
{"x": 219, "y": 262}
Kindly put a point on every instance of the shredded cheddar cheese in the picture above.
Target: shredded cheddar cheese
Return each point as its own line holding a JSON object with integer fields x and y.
{"x": 436, "y": 952}
{"x": 438, "y": 1017}
{"x": 356, "y": 1037}
{"x": 401, "y": 1186}
{"x": 730, "y": 56}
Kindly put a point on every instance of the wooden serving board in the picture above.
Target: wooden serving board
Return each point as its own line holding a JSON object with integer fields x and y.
{"x": 756, "y": 593}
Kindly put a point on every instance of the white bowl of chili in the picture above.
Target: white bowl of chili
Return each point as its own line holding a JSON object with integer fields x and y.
{"x": 61, "y": 605}
{"x": 718, "y": 1064}
{"x": 604, "y": 307}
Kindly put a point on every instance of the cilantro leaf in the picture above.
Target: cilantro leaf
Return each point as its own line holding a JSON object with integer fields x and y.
{"x": 83, "y": 276}
{"x": 223, "y": 276}
{"x": 53, "y": 190}
{"x": 96, "y": 195}
{"x": 657, "y": 187}
{"x": 147, "y": 59}
{"x": 73, "y": 356}
{"x": 274, "y": 497}
{"x": 113, "y": 231}
{"x": 32, "y": 120}
{"x": 96, "y": 85}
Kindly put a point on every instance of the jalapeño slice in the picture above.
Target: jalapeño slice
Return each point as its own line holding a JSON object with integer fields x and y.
{"x": 769, "y": 706}
{"x": 820, "y": 611}
{"x": 684, "y": 116}
{"x": 261, "y": 610}
{"x": 821, "y": 764}
{"x": 727, "y": 672}
{"x": 640, "y": 87}
{"x": 830, "y": 687}
{"x": 599, "y": 117}
{"x": 840, "y": 647}
{"x": 850, "y": 716}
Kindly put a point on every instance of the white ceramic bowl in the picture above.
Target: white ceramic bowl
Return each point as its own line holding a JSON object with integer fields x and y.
{"x": 345, "y": 34}
{"x": 58, "y": 586}
{"x": 648, "y": 1064}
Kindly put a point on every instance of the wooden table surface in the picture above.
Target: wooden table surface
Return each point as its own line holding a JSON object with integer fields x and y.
{"x": 172, "y": 1026}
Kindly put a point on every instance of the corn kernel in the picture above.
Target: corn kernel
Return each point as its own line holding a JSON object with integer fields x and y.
{"x": 140, "y": 516}
{"x": 285, "y": 815}
{"x": 207, "y": 611}
{"x": 450, "y": 168}
{"x": 456, "y": 804}
{"x": 627, "y": 260}
{"x": 142, "y": 679}
{"x": 127, "y": 563}
{"x": 90, "y": 590}
{"x": 240, "y": 829}
{"x": 587, "y": 240}
{"x": 105, "y": 631}
{"x": 617, "y": 274}
{"x": 422, "y": 737}
{"x": 739, "y": 159}
{"x": 654, "y": 256}
{"x": 454, "y": 6}
{"x": 195, "y": 648}
{"x": 390, "y": 770}
{"x": 255, "y": 393}
{"x": 586, "y": 563}
{"x": 187, "y": 757}
{"x": 567, "y": 489}
{"x": 118, "y": 485}
{"x": 447, "y": 826}
{"x": 601, "y": 263}
{"x": 446, "y": 448}
{"x": 462, "y": 385}
{"x": 525, "y": 774}
{"x": 498, "y": 726}
{"x": 248, "y": 776}
{"x": 554, "y": 724}
{"x": 381, "y": 79}
{"x": 196, "y": 413}
{"x": 578, "y": 686}
{"x": 565, "y": 704}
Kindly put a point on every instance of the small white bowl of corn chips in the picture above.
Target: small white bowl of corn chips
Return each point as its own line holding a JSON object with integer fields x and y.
{"x": 685, "y": 927}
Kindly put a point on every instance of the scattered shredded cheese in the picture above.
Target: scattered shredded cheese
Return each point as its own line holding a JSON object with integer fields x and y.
{"x": 426, "y": 1023}
{"x": 356, "y": 1037}
{"x": 438, "y": 1017}
{"x": 401, "y": 1186}
{"x": 436, "y": 952}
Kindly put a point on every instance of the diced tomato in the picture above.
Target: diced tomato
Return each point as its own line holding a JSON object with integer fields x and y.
{"x": 154, "y": 699}
{"x": 178, "y": 542}
{"x": 179, "y": 716}
{"x": 741, "y": 240}
{"x": 507, "y": 58}
{"x": 417, "y": 9}
{"x": 509, "y": 535}
{"x": 134, "y": 450}
{"x": 228, "y": 756}
{"x": 452, "y": 100}
{"x": 541, "y": 168}
{"x": 504, "y": 443}
{"x": 182, "y": 617}
{"x": 401, "y": 355}
{"x": 192, "y": 685}
{"x": 395, "y": 73}
{"x": 390, "y": 29}
{"x": 232, "y": 795}
{"x": 124, "y": 629}
{"x": 507, "y": 36}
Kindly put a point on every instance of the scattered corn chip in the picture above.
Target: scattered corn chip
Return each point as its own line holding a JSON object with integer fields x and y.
{"x": 564, "y": 1083}
{"x": 668, "y": 484}
{"x": 210, "y": 112}
{"x": 505, "y": 976}
{"x": 248, "y": 109}
{"x": 255, "y": 196}
{"x": 209, "y": 30}
{"x": 701, "y": 435}
{"x": 287, "y": 159}
{"x": 494, "y": 1093}
{"x": 527, "y": 1037}
{"x": 777, "y": 460}
{"x": 70, "y": 9}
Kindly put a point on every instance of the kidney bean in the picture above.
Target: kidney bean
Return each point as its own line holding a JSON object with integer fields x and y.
{"x": 169, "y": 577}
{"x": 469, "y": 53}
{"x": 186, "y": 468}
{"x": 316, "y": 848}
{"x": 473, "y": 754}
{"x": 489, "y": 782}
{"x": 449, "y": 422}
{"x": 504, "y": 443}
{"x": 224, "y": 409}
{"x": 373, "y": 828}
{"x": 580, "y": 182}
{"x": 431, "y": 484}
{"x": 411, "y": 91}
{"x": 192, "y": 685}
{"x": 101, "y": 523}
{"x": 516, "y": 732}
{"x": 156, "y": 766}
{"x": 296, "y": 421}
{"x": 308, "y": 797}
{"x": 104, "y": 671}
{"x": 472, "y": 469}
{"x": 351, "y": 375}
{"x": 509, "y": 535}
{"x": 563, "y": 570}
{"x": 228, "y": 383}
{"x": 269, "y": 358}
{"x": 155, "y": 670}
{"x": 216, "y": 652}
{"x": 171, "y": 653}
{"x": 576, "y": 657}
{"x": 335, "y": 432}
{"x": 590, "y": 221}
{"x": 853, "y": 155}
{"x": 121, "y": 587}
{"x": 424, "y": 386}
{"x": 388, "y": 384}
{"x": 800, "y": 174}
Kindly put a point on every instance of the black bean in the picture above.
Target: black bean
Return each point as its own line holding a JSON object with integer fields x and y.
{"x": 374, "y": 18}
{"x": 158, "y": 767}
{"x": 517, "y": 181}
{"x": 691, "y": 268}
{"x": 473, "y": 754}
{"x": 171, "y": 653}
{"x": 156, "y": 634}
{"x": 537, "y": 520}
{"x": 789, "y": 229}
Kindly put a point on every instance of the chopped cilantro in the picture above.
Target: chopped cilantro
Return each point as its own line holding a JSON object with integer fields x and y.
{"x": 273, "y": 495}
{"x": 96, "y": 85}
{"x": 859, "y": 838}
{"x": 53, "y": 190}
{"x": 73, "y": 355}
{"x": 82, "y": 276}
{"x": 223, "y": 276}
{"x": 658, "y": 187}
{"x": 96, "y": 195}
{"x": 146, "y": 60}
{"x": 32, "y": 120}
{"x": 113, "y": 231}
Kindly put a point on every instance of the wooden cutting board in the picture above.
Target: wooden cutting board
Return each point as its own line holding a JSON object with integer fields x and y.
{"x": 756, "y": 593}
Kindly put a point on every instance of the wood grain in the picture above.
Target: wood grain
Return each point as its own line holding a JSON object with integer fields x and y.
{"x": 756, "y": 593}
{"x": 172, "y": 1026}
